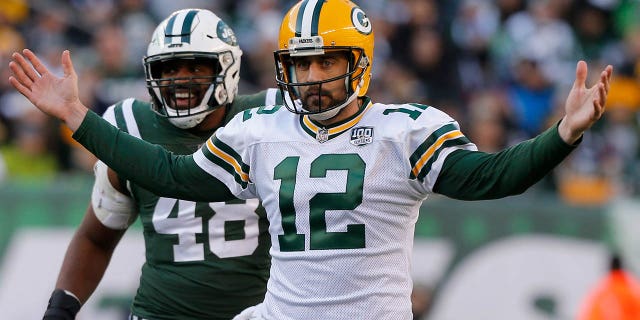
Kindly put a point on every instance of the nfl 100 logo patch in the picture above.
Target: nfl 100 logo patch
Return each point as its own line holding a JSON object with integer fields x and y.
{"x": 361, "y": 136}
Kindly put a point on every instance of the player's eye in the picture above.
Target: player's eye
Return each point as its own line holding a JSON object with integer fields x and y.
{"x": 327, "y": 63}
{"x": 302, "y": 64}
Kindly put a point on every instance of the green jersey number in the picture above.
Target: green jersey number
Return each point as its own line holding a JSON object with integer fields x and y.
{"x": 319, "y": 237}
{"x": 413, "y": 114}
{"x": 186, "y": 225}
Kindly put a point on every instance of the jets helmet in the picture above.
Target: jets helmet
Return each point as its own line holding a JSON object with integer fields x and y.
{"x": 316, "y": 27}
{"x": 192, "y": 34}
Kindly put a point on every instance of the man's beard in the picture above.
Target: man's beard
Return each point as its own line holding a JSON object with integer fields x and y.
{"x": 318, "y": 100}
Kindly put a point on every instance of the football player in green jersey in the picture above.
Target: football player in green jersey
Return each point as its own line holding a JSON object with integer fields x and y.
{"x": 203, "y": 260}
{"x": 342, "y": 178}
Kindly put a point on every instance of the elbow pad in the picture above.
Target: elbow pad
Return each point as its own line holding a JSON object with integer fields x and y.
{"x": 114, "y": 209}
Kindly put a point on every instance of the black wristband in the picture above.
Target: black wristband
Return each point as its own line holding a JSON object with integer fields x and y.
{"x": 62, "y": 306}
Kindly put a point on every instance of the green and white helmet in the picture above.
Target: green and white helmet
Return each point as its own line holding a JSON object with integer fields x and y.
{"x": 192, "y": 34}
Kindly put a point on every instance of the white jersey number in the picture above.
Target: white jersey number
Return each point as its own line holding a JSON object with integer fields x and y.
{"x": 186, "y": 225}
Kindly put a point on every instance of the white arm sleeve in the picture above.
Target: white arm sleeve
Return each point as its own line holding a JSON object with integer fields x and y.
{"x": 114, "y": 209}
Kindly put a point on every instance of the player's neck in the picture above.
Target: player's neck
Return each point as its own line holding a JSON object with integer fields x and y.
{"x": 212, "y": 121}
{"x": 346, "y": 112}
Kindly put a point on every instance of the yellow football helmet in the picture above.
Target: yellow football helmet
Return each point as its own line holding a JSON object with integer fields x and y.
{"x": 315, "y": 27}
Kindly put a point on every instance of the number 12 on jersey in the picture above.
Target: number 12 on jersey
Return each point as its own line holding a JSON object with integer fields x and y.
{"x": 319, "y": 237}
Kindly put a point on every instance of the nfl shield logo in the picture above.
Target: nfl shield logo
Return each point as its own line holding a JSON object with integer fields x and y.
{"x": 323, "y": 135}
{"x": 361, "y": 136}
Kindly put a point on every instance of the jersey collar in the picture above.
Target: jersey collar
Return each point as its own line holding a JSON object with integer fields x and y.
{"x": 323, "y": 134}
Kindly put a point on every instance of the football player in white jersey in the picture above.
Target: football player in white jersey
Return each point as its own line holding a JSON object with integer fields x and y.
{"x": 342, "y": 178}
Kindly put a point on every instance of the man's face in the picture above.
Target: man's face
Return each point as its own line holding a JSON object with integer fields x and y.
{"x": 317, "y": 68}
{"x": 191, "y": 80}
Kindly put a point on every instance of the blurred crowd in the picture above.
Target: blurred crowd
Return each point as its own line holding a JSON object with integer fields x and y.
{"x": 501, "y": 67}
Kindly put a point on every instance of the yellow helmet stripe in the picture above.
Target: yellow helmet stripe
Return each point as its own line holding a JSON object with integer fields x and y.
{"x": 308, "y": 18}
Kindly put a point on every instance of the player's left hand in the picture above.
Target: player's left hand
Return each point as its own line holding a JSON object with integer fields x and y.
{"x": 584, "y": 106}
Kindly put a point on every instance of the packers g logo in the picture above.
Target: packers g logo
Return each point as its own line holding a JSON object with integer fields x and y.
{"x": 360, "y": 21}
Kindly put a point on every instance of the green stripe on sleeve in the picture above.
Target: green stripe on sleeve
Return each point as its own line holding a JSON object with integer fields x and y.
{"x": 431, "y": 139}
{"x": 427, "y": 166}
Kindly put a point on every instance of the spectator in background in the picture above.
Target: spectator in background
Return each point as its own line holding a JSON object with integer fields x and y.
{"x": 555, "y": 46}
{"x": 488, "y": 121}
{"x": 626, "y": 15}
{"x": 137, "y": 24}
{"x": 593, "y": 29}
{"x": 48, "y": 31}
{"x": 472, "y": 29}
{"x": 12, "y": 13}
{"x": 118, "y": 77}
{"x": 509, "y": 7}
{"x": 630, "y": 52}
{"x": 531, "y": 97}
{"x": 471, "y": 44}
{"x": 622, "y": 135}
{"x": 28, "y": 156}
{"x": 419, "y": 45}
{"x": 258, "y": 36}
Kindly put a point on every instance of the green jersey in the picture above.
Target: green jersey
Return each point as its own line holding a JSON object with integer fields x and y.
{"x": 203, "y": 260}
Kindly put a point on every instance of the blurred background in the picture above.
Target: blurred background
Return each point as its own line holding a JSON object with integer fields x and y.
{"x": 501, "y": 68}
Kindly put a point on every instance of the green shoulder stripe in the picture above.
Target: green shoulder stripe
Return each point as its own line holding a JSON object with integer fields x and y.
{"x": 225, "y": 157}
{"x": 449, "y": 143}
{"x": 427, "y": 153}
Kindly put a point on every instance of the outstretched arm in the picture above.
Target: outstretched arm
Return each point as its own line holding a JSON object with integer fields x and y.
{"x": 149, "y": 165}
{"x": 472, "y": 175}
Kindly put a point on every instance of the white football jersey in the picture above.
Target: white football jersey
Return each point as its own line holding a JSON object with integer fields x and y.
{"x": 342, "y": 202}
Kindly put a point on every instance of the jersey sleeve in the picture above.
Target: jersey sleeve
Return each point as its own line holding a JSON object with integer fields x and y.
{"x": 470, "y": 175}
{"x": 432, "y": 136}
{"x": 151, "y": 166}
{"x": 225, "y": 156}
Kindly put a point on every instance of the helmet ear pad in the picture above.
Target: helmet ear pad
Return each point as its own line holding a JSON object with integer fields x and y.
{"x": 208, "y": 39}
